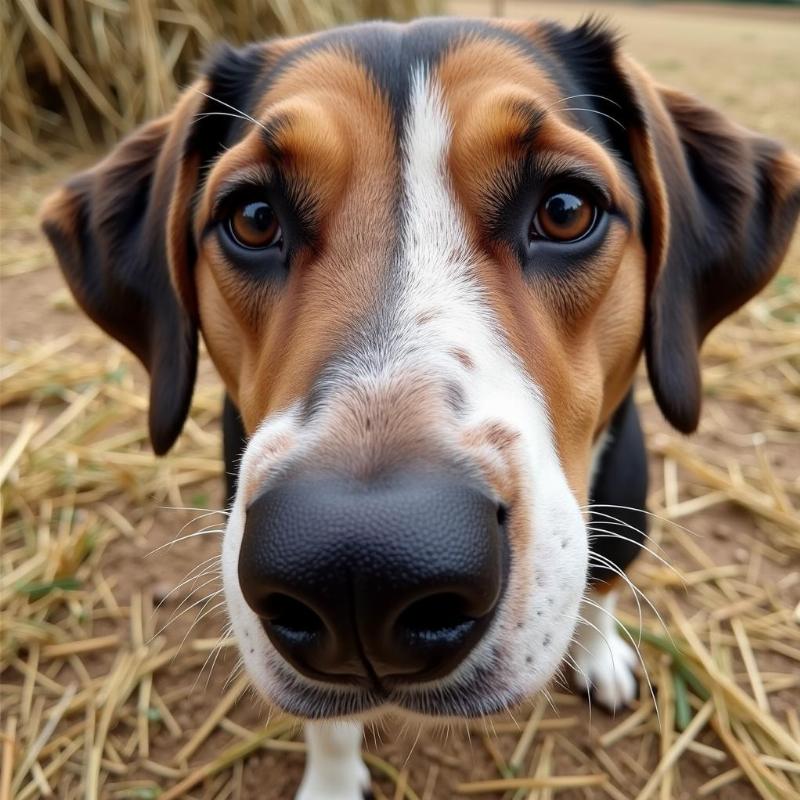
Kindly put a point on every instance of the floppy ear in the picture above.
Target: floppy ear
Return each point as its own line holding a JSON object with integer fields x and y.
{"x": 721, "y": 204}
{"x": 123, "y": 234}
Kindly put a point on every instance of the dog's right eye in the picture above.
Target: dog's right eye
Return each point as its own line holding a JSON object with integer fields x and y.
{"x": 254, "y": 225}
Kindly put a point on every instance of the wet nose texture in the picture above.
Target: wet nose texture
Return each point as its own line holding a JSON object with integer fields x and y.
{"x": 380, "y": 583}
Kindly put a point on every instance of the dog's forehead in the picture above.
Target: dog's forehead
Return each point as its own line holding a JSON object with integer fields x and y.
{"x": 355, "y": 83}
{"x": 351, "y": 87}
{"x": 390, "y": 51}
{"x": 388, "y": 54}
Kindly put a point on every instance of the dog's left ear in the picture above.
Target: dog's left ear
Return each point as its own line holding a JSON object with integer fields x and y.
{"x": 721, "y": 204}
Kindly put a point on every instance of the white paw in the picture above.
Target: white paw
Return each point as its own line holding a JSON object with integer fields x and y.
{"x": 608, "y": 672}
{"x": 334, "y": 768}
{"x": 605, "y": 662}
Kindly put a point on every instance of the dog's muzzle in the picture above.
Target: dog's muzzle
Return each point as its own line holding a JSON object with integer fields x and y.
{"x": 378, "y": 584}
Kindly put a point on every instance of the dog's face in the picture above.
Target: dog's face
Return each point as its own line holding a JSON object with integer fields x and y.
{"x": 425, "y": 260}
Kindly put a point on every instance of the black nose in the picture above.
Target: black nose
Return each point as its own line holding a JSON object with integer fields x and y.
{"x": 391, "y": 580}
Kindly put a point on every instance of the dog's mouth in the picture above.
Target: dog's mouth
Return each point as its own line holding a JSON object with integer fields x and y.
{"x": 474, "y": 695}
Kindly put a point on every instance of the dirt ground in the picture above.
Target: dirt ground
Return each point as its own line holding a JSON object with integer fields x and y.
{"x": 746, "y": 62}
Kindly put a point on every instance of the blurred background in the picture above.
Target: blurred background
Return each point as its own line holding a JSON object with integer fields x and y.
{"x": 116, "y": 680}
{"x": 81, "y": 73}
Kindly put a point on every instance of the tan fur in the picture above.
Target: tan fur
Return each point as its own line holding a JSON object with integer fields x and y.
{"x": 293, "y": 332}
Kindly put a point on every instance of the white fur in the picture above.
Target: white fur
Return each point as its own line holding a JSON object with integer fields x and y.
{"x": 440, "y": 276}
{"x": 436, "y": 272}
{"x": 605, "y": 663}
{"x": 334, "y": 768}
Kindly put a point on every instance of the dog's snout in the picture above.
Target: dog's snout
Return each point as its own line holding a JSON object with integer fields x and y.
{"x": 384, "y": 582}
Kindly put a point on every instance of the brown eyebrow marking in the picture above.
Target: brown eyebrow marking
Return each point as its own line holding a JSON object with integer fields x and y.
{"x": 271, "y": 132}
{"x": 424, "y": 317}
{"x": 531, "y": 116}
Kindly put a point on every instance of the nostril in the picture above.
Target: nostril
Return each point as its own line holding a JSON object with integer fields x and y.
{"x": 438, "y": 617}
{"x": 290, "y": 618}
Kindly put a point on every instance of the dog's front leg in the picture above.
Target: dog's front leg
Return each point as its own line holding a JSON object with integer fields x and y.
{"x": 334, "y": 767}
{"x": 604, "y": 660}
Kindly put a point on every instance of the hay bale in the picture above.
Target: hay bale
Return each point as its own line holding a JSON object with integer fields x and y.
{"x": 77, "y": 75}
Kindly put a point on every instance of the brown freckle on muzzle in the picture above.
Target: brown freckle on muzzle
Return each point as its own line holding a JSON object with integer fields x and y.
{"x": 424, "y": 317}
{"x": 500, "y": 437}
{"x": 463, "y": 357}
{"x": 268, "y": 456}
{"x": 492, "y": 448}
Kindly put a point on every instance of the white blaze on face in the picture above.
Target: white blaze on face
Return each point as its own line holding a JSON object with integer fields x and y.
{"x": 548, "y": 570}
{"x": 435, "y": 280}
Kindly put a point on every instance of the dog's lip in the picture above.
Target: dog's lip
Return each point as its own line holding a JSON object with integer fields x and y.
{"x": 472, "y": 699}
{"x": 338, "y": 706}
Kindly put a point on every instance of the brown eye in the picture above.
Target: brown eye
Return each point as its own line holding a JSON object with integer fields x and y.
{"x": 254, "y": 225}
{"x": 564, "y": 217}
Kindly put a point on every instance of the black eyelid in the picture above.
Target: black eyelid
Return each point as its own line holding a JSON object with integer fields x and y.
{"x": 574, "y": 182}
{"x": 228, "y": 193}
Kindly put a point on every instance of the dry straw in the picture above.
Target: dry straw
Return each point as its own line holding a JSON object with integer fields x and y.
{"x": 77, "y": 479}
{"x": 76, "y": 74}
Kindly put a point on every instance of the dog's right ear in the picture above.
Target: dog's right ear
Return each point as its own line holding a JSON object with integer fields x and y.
{"x": 123, "y": 235}
{"x": 119, "y": 232}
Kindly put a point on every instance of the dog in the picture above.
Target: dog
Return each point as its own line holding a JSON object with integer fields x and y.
{"x": 425, "y": 260}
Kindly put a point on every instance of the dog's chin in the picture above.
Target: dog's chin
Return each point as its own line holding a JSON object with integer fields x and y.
{"x": 473, "y": 697}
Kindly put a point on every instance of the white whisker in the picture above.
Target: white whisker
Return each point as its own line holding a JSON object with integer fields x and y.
{"x": 599, "y": 113}
{"x": 232, "y": 108}
{"x": 602, "y": 533}
{"x": 175, "y": 616}
{"x": 602, "y": 561}
{"x": 192, "y": 575}
{"x": 203, "y": 532}
{"x": 202, "y": 615}
{"x": 636, "y": 591}
{"x": 644, "y": 511}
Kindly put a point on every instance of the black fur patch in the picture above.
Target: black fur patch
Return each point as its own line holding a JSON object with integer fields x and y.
{"x": 234, "y": 76}
{"x": 618, "y": 495}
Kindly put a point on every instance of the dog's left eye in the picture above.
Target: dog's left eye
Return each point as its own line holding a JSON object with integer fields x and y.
{"x": 564, "y": 216}
{"x": 254, "y": 225}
